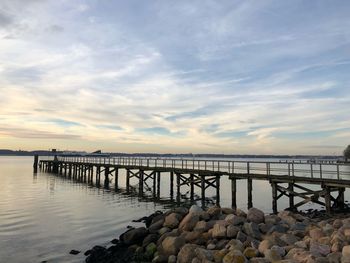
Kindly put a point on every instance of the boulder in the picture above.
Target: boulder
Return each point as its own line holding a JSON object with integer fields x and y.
{"x": 287, "y": 217}
{"x": 232, "y": 231}
{"x": 235, "y": 244}
{"x": 172, "y": 220}
{"x": 265, "y": 245}
{"x": 289, "y": 239}
{"x": 189, "y": 222}
{"x": 219, "y": 231}
{"x": 214, "y": 211}
{"x": 255, "y": 215}
{"x": 316, "y": 233}
{"x": 134, "y": 236}
{"x": 319, "y": 250}
{"x": 204, "y": 255}
{"x": 187, "y": 253}
{"x": 252, "y": 230}
{"x": 172, "y": 245}
{"x": 235, "y": 220}
{"x": 334, "y": 257}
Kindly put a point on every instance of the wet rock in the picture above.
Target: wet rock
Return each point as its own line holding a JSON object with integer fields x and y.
{"x": 255, "y": 215}
{"x": 187, "y": 253}
{"x": 172, "y": 245}
{"x": 150, "y": 250}
{"x": 172, "y": 220}
{"x": 74, "y": 252}
{"x": 189, "y": 222}
{"x": 134, "y": 236}
{"x": 163, "y": 230}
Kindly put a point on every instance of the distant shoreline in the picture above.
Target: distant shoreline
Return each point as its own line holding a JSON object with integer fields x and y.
{"x": 5, "y": 152}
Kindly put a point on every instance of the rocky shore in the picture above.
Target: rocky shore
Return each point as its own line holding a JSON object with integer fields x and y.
{"x": 225, "y": 235}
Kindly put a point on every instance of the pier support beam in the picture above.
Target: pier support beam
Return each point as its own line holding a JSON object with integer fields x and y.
{"x": 250, "y": 190}
{"x": 234, "y": 193}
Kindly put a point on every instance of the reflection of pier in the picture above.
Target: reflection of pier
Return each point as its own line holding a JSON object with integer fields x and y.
{"x": 286, "y": 178}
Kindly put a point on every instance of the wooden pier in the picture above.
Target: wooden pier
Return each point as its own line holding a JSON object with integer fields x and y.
{"x": 287, "y": 179}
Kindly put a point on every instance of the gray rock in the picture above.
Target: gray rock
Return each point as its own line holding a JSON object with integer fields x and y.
{"x": 289, "y": 239}
{"x": 255, "y": 215}
{"x": 204, "y": 254}
{"x": 232, "y": 231}
{"x": 252, "y": 230}
{"x": 201, "y": 226}
{"x": 235, "y": 256}
{"x": 281, "y": 250}
{"x": 211, "y": 246}
{"x": 287, "y": 216}
{"x": 241, "y": 236}
{"x": 214, "y": 211}
{"x": 156, "y": 226}
{"x": 318, "y": 250}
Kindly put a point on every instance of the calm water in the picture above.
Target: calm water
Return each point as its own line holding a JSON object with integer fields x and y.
{"x": 44, "y": 216}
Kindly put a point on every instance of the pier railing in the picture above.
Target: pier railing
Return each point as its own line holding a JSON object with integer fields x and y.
{"x": 264, "y": 168}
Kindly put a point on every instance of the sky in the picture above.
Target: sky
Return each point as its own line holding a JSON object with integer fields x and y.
{"x": 241, "y": 77}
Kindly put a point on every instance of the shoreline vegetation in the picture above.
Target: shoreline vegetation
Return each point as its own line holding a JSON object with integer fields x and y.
{"x": 7, "y": 152}
{"x": 226, "y": 235}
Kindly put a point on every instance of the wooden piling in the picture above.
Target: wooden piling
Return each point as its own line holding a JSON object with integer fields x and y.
{"x": 233, "y": 193}
{"x": 274, "y": 197}
{"x": 250, "y": 190}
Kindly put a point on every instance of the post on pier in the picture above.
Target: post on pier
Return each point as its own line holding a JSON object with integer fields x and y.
{"x": 192, "y": 187}
{"x": 178, "y": 187}
{"x": 327, "y": 198}
{"x": 116, "y": 175}
{"x": 291, "y": 196}
{"x": 233, "y": 193}
{"x": 171, "y": 185}
{"x": 203, "y": 190}
{"x": 35, "y": 165}
{"x": 217, "y": 179}
{"x": 128, "y": 180}
{"x": 158, "y": 184}
{"x": 274, "y": 197}
{"x": 106, "y": 181}
{"x": 141, "y": 175}
{"x": 250, "y": 190}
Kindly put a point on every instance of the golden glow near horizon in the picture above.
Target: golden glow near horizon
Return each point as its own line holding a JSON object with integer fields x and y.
{"x": 86, "y": 76}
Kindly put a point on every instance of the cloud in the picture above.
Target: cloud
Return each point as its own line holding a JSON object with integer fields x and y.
{"x": 194, "y": 76}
